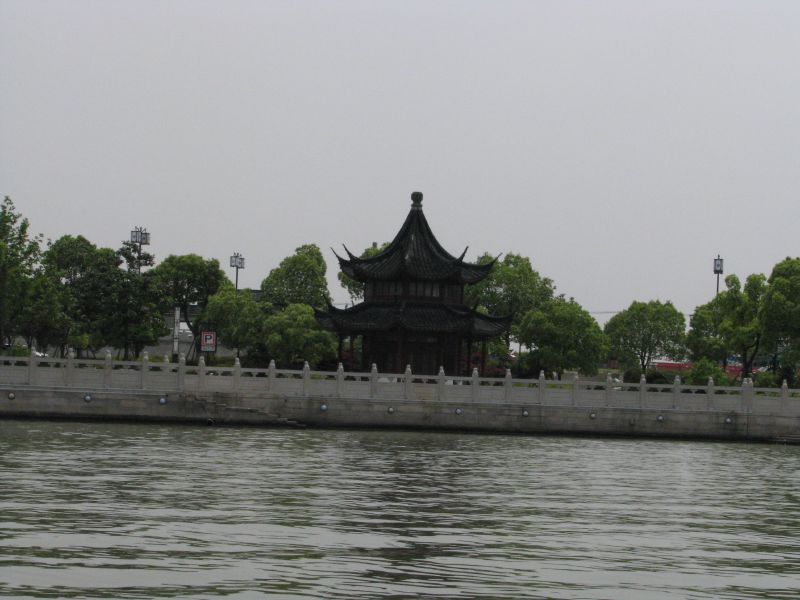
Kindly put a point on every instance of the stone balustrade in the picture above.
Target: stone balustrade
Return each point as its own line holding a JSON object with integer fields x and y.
{"x": 165, "y": 377}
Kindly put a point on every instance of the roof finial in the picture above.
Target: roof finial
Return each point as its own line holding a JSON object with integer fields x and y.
{"x": 416, "y": 199}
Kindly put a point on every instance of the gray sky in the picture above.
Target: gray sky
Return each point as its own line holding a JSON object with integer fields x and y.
{"x": 619, "y": 145}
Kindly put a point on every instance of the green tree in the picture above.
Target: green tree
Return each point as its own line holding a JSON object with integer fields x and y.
{"x": 84, "y": 274}
{"x": 563, "y": 336}
{"x": 188, "y": 281}
{"x": 355, "y": 289}
{"x": 644, "y": 331}
{"x": 741, "y": 327}
{"x": 299, "y": 279}
{"x": 43, "y": 322}
{"x": 705, "y": 339}
{"x": 512, "y": 288}
{"x": 293, "y": 336}
{"x": 19, "y": 256}
{"x": 133, "y": 317}
{"x": 780, "y": 316}
{"x": 237, "y": 318}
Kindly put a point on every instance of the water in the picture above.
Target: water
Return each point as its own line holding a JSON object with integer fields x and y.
{"x": 141, "y": 511}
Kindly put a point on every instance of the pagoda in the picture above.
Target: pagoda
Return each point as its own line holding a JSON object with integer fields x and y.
{"x": 413, "y": 311}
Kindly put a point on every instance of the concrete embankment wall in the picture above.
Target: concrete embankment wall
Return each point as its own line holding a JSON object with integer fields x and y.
{"x": 219, "y": 408}
{"x": 33, "y": 387}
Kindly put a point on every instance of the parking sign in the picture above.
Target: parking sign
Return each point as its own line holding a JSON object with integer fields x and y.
{"x": 208, "y": 341}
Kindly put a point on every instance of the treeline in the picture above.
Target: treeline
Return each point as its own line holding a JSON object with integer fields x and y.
{"x": 72, "y": 294}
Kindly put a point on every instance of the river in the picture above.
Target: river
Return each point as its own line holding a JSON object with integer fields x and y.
{"x": 95, "y": 510}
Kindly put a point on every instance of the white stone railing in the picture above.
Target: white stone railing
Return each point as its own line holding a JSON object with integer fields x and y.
{"x": 169, "y": 377}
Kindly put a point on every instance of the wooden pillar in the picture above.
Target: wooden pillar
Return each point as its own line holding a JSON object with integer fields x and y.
{"x": 483, "y": 358}
{"x": 457, "y": 367}
{"x": 339, "y": 350}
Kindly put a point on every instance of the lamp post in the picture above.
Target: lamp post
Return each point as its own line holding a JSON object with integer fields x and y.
{"x": 139, "y": 237}
{"x": 237, "y": 262}
{"x": 718, "y": 269}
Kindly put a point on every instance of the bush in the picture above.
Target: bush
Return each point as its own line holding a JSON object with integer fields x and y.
{"x": 767, "y": 379}
{"x": 18, "y": 350}
{"x": 658, "y": 377}
{"x": 703, "y": 369}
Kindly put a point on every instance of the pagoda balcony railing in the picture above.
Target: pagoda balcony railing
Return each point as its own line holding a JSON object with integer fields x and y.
{"x": 166, "y": 377}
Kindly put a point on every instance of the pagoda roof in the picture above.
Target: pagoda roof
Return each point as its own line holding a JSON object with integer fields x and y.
{"x": 412, "y": 316}
{"x": 414, "y": 254}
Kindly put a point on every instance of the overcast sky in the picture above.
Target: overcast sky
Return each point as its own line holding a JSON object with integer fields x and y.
{"x": 619, "y": 145}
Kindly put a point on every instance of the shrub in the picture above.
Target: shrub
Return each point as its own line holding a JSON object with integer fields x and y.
{"x": 703, "y": 369}
{"x": 658, "y": 377}
{"x": 766, "y": 379}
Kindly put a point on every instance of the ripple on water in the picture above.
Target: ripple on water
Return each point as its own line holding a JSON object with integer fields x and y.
{"x": 154, "y": 511}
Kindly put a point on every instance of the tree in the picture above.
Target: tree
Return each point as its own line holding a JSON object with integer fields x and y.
{"x": 237, "y": 318}
{"x": 188, "y": 281}
{"x": 299, "y": 279}
{"x": 19, "y": 256}
{"x": 780, "y": 316}
{"x": 293, "y": 336}
{"x": 705, "y": 339}
{"x": 355, "y": 289}
{"x": 512, "y": 288}
{"x": 741, "y": 326}
{"x": 644, "y": 331}
{"x": 43, "y": 321}
{"x": 82, "y": 272}
{"x": 104, "y": 299}
{"x": 564, "y": 336}
{"x": 134, "y": 318}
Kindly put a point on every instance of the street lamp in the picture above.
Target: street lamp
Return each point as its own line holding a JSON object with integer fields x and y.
{"x": 237, "y": 262}
{"x": 139, "y": 237}
{"x": 718, "y": 269}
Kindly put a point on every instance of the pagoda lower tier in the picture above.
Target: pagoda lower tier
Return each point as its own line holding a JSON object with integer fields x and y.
{"x": 421, "y": 334}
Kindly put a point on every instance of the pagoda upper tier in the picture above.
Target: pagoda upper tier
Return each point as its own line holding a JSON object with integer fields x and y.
{"x": 414, "y": 254}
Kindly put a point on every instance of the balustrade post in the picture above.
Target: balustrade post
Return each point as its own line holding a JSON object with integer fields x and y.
{"x": 784, "y": 390}
{"x": 201, "y": 374}
{"x": 710, "y": 393}
{"x": 108, "y": 367}
{"x": 642, "y": 390}
{"x": 408, "y": 384}
{"x": 306, "y": 378}
{"x": 32, "y": 360}
{"x": 181, "y": 373}
{"x": 508, "y": 386}
{"x": 676, "y": 391}
{"x": 747, "y": 394}
{"x": 237, "y": 375}
{"x": 541, "y": 388}
{"x": 271, "y": 376}
{"x": 144, "y": 370}
{"x": 476, "y": 384}
{"x": 441, "y": 391}
{"x": 69, "y": 373}
{"x": 339, "y": 380}
{"x": 373, "y": 381}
